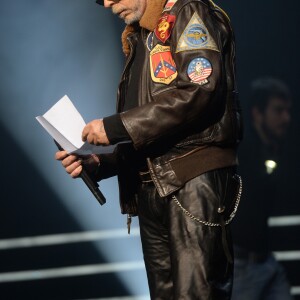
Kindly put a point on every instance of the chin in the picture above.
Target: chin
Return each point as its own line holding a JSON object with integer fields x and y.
{"x": 128, "y": 21}
{"x": 131, "y": 18}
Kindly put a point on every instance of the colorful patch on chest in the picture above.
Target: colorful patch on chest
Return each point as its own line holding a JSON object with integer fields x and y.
{"x": 149, "y": 41}
{"x": 164, "y": 27}
{"x": 163, "y": 68}
{"x": 199, "y": 70}
{"x": 169, "y": 5}
{"x": 196, "y": 36}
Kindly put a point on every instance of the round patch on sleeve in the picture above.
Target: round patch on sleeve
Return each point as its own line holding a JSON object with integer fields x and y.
{"x": 199, "y": 70}
{"x": 149, "y": 41}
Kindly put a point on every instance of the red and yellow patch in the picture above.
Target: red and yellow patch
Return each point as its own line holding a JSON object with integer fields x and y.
{"x": 163, "y": 67}
{"x": 169, "y": 5}
{"x": 164, "y": 27}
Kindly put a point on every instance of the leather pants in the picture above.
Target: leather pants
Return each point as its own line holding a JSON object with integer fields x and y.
{"x": 186, "y": 259}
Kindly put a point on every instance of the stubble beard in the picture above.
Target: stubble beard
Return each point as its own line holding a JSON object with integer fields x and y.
{"x": 133, "y": 15}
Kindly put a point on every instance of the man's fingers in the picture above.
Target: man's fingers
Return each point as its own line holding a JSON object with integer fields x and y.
{"x": 85, "y": 133}
{"x": 91, "y": 139}
{"x": 69, "y": 160}
{"x": 72, "y": 167}
{"x": 71, "y": 163}
{"x": 76, "y": 172}
{"x": 94, "y": 133}
{"x": 60, "y": 155}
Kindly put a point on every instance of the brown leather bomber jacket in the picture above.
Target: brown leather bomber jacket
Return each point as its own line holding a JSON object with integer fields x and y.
{"x": 186, "y": 123}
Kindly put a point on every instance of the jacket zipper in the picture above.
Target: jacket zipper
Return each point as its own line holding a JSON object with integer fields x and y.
{"x": 121, "y": 98}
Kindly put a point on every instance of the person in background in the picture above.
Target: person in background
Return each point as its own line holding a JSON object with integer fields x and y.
{"x": 257, "y": 274}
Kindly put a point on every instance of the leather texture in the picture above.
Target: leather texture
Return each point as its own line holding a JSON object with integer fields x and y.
{"x": 184, "y": 259}
{"x": 183, "y": 123}
{"x": 174, "y": 120}
{"x": 187, "y": 133}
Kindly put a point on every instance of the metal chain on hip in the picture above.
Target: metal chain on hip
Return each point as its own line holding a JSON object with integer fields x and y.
{"x": 211, "y": 224}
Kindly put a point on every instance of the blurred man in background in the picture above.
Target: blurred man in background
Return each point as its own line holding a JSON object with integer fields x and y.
{"x": 257, "y": 274}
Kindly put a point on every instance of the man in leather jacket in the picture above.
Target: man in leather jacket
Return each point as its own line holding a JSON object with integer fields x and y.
{"x": 178, "y": 111}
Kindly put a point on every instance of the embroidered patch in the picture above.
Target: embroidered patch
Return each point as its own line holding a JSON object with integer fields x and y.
{"x": 149, "y": 41}
{"x": 164, "y": 27}
{"x": 199, "y": 70}
{"x": 163, "y": 68}
{"x": 169, "y": 5}
{"x": 196, "y": 36}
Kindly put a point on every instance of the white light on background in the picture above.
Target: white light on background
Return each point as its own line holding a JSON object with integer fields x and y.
{"x": 56, "y": 48}
{"x": 271, "y": 165}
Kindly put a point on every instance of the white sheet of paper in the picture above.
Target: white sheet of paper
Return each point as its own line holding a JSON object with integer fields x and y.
{"x": 64, "y": 123}
{"x": 69, "y": 147}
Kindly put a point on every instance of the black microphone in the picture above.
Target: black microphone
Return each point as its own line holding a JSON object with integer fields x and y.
{"x": 93, "y": 186}
{"x": 90, "y": 183}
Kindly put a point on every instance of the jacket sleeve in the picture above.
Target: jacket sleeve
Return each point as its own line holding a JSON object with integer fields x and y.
{"x": 184, "y": 102}
{"x": 107, "y": 168}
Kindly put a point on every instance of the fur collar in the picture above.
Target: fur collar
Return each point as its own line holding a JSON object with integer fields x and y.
{"x": 152, "y": 14}
{"x": 148, "y": 21}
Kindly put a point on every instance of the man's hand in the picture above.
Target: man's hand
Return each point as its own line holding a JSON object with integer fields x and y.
{"x": 71, "y": 163}
{"x": 94, "y": 133}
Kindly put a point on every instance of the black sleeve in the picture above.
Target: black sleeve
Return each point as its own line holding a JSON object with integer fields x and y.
{"x": 108, "y": 166}
{"x": 115, "y": 129}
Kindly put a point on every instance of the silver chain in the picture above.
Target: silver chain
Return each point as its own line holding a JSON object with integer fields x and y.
{"x": 211, "y": 224}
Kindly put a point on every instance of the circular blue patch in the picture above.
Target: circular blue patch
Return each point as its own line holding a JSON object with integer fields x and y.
{"x": 149, "y": 41}
{"x": 199, "y": 70}
{"x": 196, "y": 35}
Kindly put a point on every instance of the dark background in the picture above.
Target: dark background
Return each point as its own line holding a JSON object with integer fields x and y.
{"x": 54, "y": 47}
